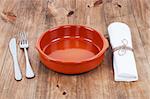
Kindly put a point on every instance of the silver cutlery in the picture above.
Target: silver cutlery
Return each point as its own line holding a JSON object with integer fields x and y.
{"x": 24, "y": 45}
{"x": 13, "y": 50}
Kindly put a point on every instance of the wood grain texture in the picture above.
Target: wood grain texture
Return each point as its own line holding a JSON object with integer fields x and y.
{"x": 33, "y": 17}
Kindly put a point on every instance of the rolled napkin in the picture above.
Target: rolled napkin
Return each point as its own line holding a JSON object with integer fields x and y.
{"x": 123, "y": 57}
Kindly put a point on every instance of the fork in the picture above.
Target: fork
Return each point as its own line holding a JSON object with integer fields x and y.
{"x": 24, "y": 45}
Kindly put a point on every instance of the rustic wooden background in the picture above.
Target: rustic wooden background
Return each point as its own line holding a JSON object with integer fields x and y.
{"x": 37, "y": 16}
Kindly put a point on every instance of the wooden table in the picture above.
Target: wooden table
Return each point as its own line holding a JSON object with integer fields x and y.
{"x": 33, "y": 17}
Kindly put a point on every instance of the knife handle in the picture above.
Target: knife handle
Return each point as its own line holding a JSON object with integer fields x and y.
{"x": 18, "y": 75}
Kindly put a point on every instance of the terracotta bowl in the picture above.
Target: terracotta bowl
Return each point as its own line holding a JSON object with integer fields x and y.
{"x": 71, "y": 49}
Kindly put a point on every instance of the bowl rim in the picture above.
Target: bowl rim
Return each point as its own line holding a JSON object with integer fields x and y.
{"x": 105, "y": 45}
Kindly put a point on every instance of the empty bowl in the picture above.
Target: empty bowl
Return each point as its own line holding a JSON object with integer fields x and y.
{"x": 71, "y": 49}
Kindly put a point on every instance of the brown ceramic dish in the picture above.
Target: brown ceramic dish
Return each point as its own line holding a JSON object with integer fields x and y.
{"x": 71, "y": 49}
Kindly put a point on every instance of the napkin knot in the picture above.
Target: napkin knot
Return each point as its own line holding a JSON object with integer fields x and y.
{"x": 123, "y": 48}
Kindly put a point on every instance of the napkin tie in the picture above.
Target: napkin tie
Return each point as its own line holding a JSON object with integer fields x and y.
{"x": 123, "y": 48}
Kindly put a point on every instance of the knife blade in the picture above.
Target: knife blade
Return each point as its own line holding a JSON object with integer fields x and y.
{"x": 13, "y": 50}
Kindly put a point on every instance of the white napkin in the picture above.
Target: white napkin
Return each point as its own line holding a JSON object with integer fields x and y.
{"x": 124, "y": 65}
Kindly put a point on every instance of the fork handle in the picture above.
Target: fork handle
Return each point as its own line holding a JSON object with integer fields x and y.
{"x": 29, "y": 71}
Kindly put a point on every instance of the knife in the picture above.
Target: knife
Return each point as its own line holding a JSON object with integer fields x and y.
{"x": 13, "y": 50}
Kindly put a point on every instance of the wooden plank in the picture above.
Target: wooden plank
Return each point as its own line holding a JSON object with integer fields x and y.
{"x": 26, "y": 21}
{"x": 5, "y": 36}
{"x": 127, "y": 90}
{"x": 63, "y": 86}
{"x": 90, "y": 85}
{"x": 142, "y": 17}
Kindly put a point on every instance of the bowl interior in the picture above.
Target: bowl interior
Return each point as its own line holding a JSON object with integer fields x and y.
{"x": 71, "y": 43}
